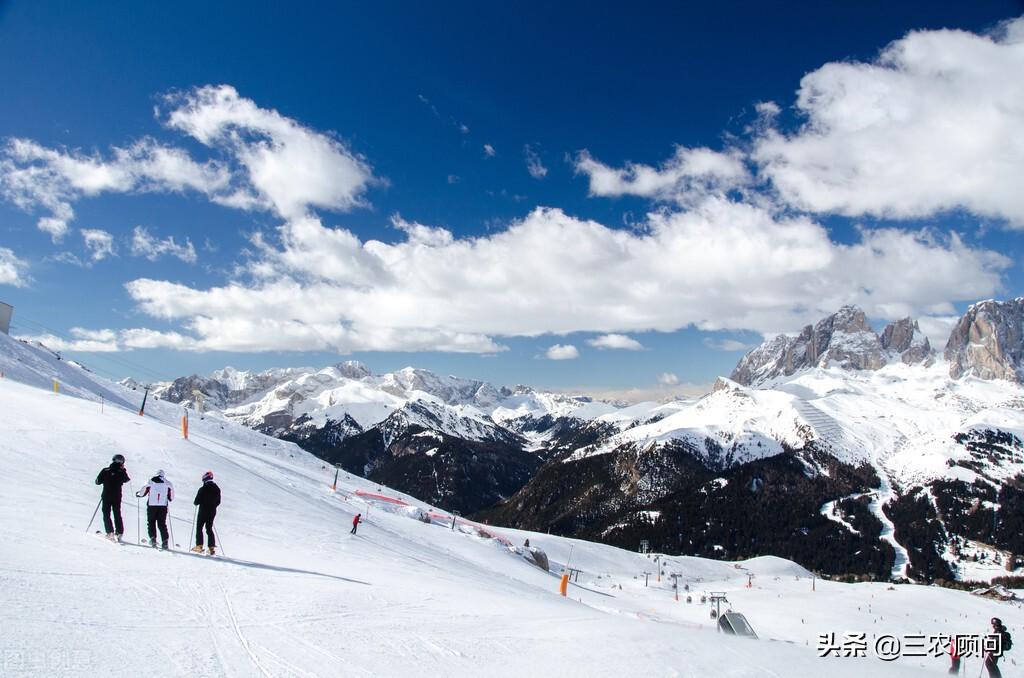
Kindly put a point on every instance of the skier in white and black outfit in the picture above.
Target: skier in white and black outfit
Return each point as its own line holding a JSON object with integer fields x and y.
{"x": 160, "y": 493}
{"x": 207, "y": 499}
{"x": 112, "y": 478}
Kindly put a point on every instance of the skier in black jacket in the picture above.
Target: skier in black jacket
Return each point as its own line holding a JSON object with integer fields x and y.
{"x": 112, "y": 478}
{"x": 207, "y": 499}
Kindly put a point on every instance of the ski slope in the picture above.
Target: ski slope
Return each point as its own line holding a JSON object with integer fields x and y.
{"x": 296, "y": 595}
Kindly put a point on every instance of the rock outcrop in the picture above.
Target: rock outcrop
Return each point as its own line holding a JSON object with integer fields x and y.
{"x": 844, "y": 339}
{"x": 905, "y": 338}
{"x": 988, "y": 341}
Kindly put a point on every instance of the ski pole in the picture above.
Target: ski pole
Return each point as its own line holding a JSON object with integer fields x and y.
{"x": 191, "y": 539}
{"x": 170, "y": 526}
{"x": 220, "y": 544}
{"x": 138, "y": 521}
{"x": 97, "y": 510}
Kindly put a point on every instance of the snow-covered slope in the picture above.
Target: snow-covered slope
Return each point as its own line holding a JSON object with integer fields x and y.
{"x": 296, "y": 595}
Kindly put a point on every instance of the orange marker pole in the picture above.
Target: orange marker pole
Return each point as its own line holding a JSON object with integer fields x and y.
{"x": 563, "y": 586}
{"x": 184, "y": 426}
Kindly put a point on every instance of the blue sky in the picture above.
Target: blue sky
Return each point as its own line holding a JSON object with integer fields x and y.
{"x": 537, "y": 176}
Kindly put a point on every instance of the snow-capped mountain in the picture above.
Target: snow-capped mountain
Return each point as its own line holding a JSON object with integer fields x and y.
{"x": 835, "y": 442}
{"x": 487, "y": 440}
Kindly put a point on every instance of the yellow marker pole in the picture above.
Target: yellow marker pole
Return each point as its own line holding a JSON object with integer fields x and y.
{"x": 55, "y": 388}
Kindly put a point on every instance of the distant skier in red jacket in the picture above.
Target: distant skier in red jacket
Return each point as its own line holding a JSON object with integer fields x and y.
{"x": 355, "y": 523}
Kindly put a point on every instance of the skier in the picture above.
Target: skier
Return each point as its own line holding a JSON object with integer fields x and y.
{"x": 1005, "y": 643}
{"x": 161, "y": 493}
{"x": 207, "y": 499}
{"x": 112, "y": 478}
{"x": 355, "y": 523}
{"x": 954, "y": 658}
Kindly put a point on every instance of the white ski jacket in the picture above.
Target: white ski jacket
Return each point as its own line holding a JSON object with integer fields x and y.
{"x": 159, "y": 492}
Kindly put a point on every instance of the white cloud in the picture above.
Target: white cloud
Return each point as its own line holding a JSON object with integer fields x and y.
{"x": 489, "y": 151}
{"x": 726, "y": 344}
{"x": 145, "y": 245}
{"x": 13, "y": 271}
{"x": 720, "y": 266}
{"x": 268, "y": 162}
{"x": 33, "y": 176}
{"x": 933, "y": 124}
{"x": 938, "y": 328}
{"x": 290, "y": 167}
{"x": 94, "y": 341}
{"x": 616, "y": 341}
{"x": 562, "y": 352}
{"x": 534, "y": 165}
{"x": 691, "y": 174}
{"x": 99, "y": 243}
{"x": 668, "y": 379}
{"x": 453, "y": 178}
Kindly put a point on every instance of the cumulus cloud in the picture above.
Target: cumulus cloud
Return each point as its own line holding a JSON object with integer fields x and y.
{"x": 146, "y": 245}
{"x": 932, "y": 124}
{"x": 562, "y": 352}
{"x": 266, "y": 162}
{"x": 489, "y": 151}
{"x": 534, "y": 165}
{"x": 668, "y": 379}
{"x": 616, "y": 341}
{"x": 722, "y": 265}
{"x": 691, "y": 173}
{"x": 99, "y": 243}
{"x": 13, "y": 271}
{"x": 289, "y": 167}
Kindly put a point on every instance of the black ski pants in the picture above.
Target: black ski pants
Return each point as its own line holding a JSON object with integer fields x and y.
{"x": 205, "y": 520}
{"x": 112, "y": 505}
{"x": 992, "y": 664}
{"x": 156, "y": 516}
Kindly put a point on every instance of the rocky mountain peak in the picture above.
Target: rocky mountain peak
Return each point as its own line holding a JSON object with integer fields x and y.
{"x": 905, "y": 338}
{"x": 353, "y": 369}
{"x": 843, "y": 339}
{"x": 988, "y": 341}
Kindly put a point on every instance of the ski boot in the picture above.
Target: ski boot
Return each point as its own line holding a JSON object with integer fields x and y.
{"x": 110, "y": 536}
{"x": 212, "y": 551}
{"x": 163, "y": 547}
{"x": 198, "y": 548}
{"x": 117, "y": 539}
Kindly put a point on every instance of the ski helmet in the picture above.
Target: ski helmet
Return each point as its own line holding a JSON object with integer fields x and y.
{"x": 118, "y": 459}
{"x": 160, "y": 473}
{"x": 208, "y": 476}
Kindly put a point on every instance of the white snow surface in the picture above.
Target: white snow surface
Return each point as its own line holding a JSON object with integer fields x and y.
{"x": 295, "y": 595}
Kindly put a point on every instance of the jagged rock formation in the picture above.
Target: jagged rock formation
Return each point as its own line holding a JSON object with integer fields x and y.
{"x": 988, "y": 342}
{"x": 905, "y": 338}
{"x": 844, "y": 339}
